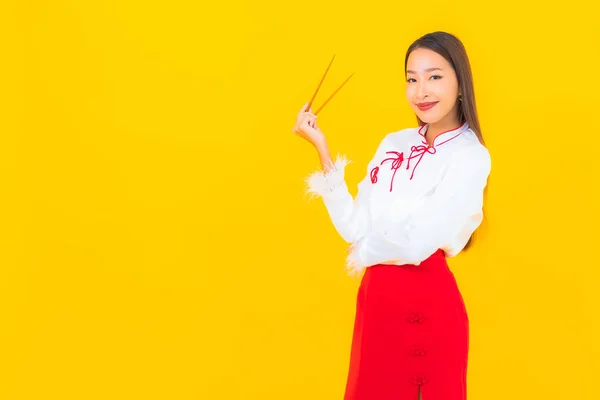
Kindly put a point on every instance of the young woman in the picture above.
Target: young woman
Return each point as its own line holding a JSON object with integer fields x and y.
{"x": 420, "y": 201}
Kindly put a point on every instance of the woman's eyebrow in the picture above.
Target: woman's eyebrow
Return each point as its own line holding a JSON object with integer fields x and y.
{"x": 427, "y": 70}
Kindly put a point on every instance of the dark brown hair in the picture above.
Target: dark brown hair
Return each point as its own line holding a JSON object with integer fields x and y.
{"x": 452, "y": 49}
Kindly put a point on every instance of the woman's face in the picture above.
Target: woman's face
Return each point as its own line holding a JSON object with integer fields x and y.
{"x": 432, "y": 87}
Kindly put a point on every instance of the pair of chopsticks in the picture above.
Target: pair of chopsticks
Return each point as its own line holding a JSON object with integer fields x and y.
{"x": 318, "y": 87}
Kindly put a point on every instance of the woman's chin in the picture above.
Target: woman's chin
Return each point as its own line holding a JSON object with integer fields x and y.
{"x": 428, "y": 117}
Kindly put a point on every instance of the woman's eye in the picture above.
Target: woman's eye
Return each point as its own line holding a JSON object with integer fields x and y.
{"x": 435, "y": 77}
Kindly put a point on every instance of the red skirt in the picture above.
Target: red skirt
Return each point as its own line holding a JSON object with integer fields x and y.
{"x": 411, "y": 330}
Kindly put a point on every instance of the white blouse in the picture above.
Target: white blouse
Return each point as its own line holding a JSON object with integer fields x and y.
{"x": 414, "y": 199}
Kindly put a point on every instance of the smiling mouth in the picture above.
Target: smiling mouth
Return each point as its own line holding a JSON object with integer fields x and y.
{"x": 426, "y": 106}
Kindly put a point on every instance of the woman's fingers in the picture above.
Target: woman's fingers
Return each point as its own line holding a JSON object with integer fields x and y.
{"x": 305, "y": 111}
{"x": 306, "y": 120}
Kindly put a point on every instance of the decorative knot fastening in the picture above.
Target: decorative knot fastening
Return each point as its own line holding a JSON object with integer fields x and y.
{"x": 415, "y": 151}
{"x": 374, "y": 172}
{"x": 419, "y": 380}
{"x": 418, "y": 151}
{"x": 415, "y": 318}
{"x": 396, "y": 163}
{"x": 417, "y": 351}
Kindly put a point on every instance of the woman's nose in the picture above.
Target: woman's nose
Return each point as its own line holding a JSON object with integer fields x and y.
{"x": 421, "y": 91}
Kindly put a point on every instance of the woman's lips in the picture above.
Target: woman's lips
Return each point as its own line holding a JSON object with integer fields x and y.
{"x": 426, "y": 106}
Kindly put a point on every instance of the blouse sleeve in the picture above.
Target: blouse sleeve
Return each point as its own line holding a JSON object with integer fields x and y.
{"x": 445, "y": 219}
{"x": 343, "y": 209}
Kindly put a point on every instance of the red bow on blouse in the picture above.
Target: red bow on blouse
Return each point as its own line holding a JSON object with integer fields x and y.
{"x": 415, "y": 151}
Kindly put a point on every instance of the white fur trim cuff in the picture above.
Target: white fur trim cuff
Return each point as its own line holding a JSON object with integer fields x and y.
{"x": 321, "y": 184}
{"x": 353, "y": 266}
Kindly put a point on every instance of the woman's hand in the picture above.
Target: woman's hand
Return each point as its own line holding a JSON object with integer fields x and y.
{"x": 306, "y": 127}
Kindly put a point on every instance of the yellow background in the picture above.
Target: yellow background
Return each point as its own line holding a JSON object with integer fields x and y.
{"x": 156, "y": 240}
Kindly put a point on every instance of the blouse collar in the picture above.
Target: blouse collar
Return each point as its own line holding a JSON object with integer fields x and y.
{"x": 444, "y": 136}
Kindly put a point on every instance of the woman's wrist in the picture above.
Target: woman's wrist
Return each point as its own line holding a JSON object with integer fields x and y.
{"x": 324, "y": 155}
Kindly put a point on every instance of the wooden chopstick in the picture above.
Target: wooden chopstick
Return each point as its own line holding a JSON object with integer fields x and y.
{"x": 333, "y": 94}
{"x": 319, "y": 87}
